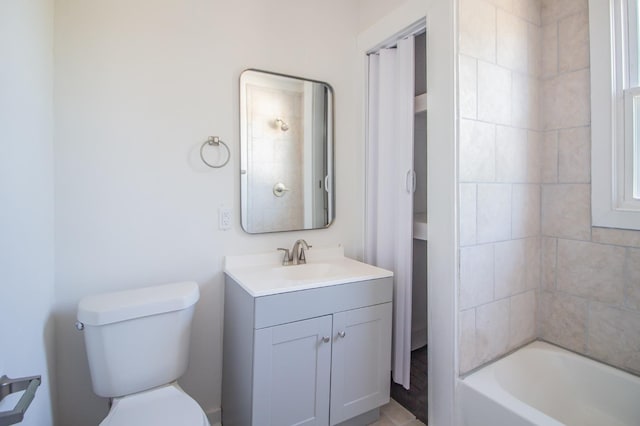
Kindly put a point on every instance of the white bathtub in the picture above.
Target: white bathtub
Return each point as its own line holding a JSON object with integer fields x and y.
{"x": 542, "y": 384}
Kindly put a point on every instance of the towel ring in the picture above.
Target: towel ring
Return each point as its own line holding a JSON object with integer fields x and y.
{"x": 214, "y": 141}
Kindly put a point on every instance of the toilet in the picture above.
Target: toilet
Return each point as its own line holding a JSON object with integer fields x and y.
{"x": 137, "y": 344}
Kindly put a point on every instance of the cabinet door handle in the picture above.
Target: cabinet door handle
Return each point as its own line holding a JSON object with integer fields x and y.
{"x": 342, "y": 333}
{"x": 326, "y": 339}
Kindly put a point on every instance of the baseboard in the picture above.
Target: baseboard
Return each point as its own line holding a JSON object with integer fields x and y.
{"x": 215, "y": 416}
{"x": 418, "y": 338}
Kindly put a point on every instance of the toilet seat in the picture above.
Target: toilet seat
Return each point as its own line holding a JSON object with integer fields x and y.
{"x": 165, "y": 406}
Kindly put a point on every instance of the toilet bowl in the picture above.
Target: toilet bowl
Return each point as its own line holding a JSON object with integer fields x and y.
{"x": 137, "y": 344}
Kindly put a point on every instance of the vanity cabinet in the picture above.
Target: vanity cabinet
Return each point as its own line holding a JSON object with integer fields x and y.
{"x": 291, "y": 382}
{"x": 320, "y": 356}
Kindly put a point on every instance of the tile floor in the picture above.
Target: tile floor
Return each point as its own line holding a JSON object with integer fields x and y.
{"x": 394, "y": 414}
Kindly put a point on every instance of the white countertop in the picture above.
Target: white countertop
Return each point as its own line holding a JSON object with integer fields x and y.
{"x": 263, "y": 274}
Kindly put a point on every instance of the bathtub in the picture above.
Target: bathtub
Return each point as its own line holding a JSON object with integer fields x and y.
{"x": 542, "y": 384}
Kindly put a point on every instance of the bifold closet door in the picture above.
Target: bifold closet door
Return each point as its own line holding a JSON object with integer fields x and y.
{"x": 390, "y": 185}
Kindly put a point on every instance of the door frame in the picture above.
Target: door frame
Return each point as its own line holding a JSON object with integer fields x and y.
{"x": 442, "y": 202}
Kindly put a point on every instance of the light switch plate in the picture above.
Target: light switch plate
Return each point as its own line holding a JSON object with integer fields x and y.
{"x": 224, "y": 218}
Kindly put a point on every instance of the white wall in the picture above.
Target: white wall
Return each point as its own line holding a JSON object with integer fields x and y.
{"x": 138, "y": 87}
{"x": 372, "y": 11}
{"x": 26, "y": 198}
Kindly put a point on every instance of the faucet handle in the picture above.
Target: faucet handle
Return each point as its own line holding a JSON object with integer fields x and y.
{"x": 302, "y": 258}
{"x": 287, "y": 256}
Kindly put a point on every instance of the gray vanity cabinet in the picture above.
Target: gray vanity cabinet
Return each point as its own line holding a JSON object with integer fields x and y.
{"x": 291, "y": 381}
{"x": 320, "y": 356}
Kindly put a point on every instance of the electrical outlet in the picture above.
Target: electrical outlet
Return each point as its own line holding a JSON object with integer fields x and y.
{"x": 224, "y": 218}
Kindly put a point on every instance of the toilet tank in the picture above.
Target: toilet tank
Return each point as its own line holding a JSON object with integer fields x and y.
{"x": 138, "y": 339}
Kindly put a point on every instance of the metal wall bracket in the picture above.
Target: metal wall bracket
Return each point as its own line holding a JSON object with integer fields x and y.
{"x": 9, "y": 386}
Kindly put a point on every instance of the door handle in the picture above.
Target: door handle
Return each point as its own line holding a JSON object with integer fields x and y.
{"x": 279, "y": 189}
{"x": 410, "y": 181}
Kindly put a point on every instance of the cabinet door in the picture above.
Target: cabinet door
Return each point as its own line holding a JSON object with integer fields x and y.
{"x": 292, "y": 367}
{"x": 361, "y": 361}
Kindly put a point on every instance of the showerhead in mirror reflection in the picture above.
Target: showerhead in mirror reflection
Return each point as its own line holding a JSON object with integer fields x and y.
{"x": 286, "y": 138}
{"x": 280, "y": 123}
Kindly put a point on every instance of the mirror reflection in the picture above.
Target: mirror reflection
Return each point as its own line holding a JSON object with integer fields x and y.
{"x": 286, "y": 153}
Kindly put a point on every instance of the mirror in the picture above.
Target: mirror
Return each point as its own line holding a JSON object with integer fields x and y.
{"x": 286, "y": 153}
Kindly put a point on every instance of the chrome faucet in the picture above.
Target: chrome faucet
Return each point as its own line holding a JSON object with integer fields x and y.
{"x": 298, "y": 252}
{"x": 296, "y": 256}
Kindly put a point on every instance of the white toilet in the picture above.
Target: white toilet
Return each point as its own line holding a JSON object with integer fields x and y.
{"x": 137, "y": 344}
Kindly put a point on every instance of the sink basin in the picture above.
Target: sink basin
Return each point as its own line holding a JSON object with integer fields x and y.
{"x": 263, "y": 274}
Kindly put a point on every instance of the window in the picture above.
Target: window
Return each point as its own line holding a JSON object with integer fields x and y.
{"x": 615, "y": 113}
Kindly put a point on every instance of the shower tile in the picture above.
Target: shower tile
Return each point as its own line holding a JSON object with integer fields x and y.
{"x": 549, "y": 59}
{"x": 522, "y": 317}
{"x": 549, "y": 252}
{"x": 574, "y": 155}
{"x": 632, "y": 279}
{"x": 595, "y": 271}
{"x": 534, "y": 48}
{"x": 477, "y": 151}
{"x": 618, "y": 237}
{"x": 552, "y": 10}
{"x": 566, "y": 211}
{"x": 614, "y": 336}
{"x": 633, "y": 362}
{"x": 476, "y": 275}
{"x": 563, "y": 320}
{"x": 494, "y": 212}
{"x": 494, "y": 93}
{"x": 467, "y": 322}
{"x": 549, "y": 157}
{"x": 524, "y": 101}
{"x": 533, "y": 250}
{"x": 477, "y": 28}
{"x": 525, "y": 211}
{"x": 468, "y": 86}
{"x": 506, "y": 5}
{"x": 511, "y": 154}
{"x": 492, "y": 329}
{"x": 573, "y": 42}
{"x": 534, "y": 149}
{"x": 510, "y": 268}
{"x": 467, "y": 214}
{"x": 512, "y": 36}
{"x": 528, "y": 10}
{"x": 566, "y": 99}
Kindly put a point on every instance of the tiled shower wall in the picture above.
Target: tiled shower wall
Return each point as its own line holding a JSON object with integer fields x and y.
{"x": 273, "y": 151}
{"x": 531, "y": 264}
{"x": 499, "y": 174}
{"x": 590, "y": 291}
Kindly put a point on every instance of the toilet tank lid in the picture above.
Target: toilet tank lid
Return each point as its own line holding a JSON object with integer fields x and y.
{"x": 118, "y": 306}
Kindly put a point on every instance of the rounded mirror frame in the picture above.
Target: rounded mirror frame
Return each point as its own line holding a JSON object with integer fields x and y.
{"x": 286, "y": 153}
